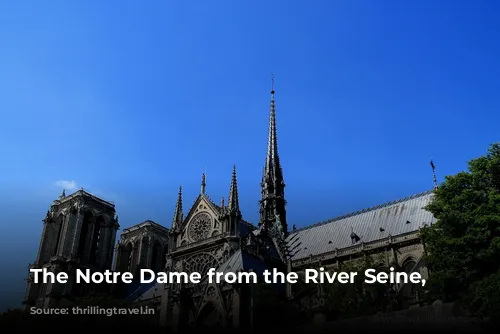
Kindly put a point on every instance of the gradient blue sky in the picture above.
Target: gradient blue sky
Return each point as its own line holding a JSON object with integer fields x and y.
{"x": 130, "y": 99}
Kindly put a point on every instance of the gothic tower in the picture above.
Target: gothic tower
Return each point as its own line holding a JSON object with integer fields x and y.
{"x": 272, "y": 203}
{"x": 142, "y": 246}
{"x": 79, "y": 232}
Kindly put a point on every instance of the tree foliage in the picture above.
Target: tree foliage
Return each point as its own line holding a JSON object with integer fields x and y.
{"x": 271, "y": 308}
{"x": 463, "y": 246}
{"x": 351, "y": 300}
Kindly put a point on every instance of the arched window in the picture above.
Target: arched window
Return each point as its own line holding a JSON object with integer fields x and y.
{"x": 408, "y": 291}
{"x": 84, "y": 234}
{"x": 157, "y": 258}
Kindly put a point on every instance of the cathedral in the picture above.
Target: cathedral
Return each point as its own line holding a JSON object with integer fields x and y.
{"x": 80, "y": 230}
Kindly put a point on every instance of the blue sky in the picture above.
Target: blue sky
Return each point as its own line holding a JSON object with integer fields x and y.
{"x": 130, "y": 99}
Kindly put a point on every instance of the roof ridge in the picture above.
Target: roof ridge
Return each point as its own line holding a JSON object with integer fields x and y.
{"x": 355, "y": 213}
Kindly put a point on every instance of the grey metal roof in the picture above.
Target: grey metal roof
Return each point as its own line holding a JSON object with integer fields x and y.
{"x": 233, "y": 264}
{"x": 390, "y": 219}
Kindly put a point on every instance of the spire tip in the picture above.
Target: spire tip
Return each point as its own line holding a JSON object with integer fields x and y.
{"x": 272, "y": 83}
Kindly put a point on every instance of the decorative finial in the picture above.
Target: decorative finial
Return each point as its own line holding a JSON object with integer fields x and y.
{"x": 63, "y": 193}
{"x": 203, "y": 183}
{"x": 434, "y": 174}
{"x": 222, "y": 202}
{"x": 272, "y": 83}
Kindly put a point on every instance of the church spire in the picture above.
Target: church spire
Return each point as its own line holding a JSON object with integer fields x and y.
{"x": 232, "y": 202}
{"x": 178, "y": 215}
{"x": 272, "y": 204}
{"x": 272, "y": 167}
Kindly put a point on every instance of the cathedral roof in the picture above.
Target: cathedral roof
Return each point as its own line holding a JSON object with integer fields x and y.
{"x": 85, "y": 194}
{"x": 396, "y": 218}
{"x": 144, "y": 224}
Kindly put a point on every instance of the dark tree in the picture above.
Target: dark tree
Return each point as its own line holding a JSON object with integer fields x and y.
{"x": 463, "y": 246}
{"x": 358, "y": 299}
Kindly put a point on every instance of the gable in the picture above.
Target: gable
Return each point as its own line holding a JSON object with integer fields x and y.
{"x": 201, "y": 223}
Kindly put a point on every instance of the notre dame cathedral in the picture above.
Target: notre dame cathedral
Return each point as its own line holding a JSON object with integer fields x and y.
{"x": 80, "y": 230}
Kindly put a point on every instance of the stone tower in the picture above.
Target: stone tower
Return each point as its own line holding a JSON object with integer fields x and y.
{"x": 79, "y": 233}
{"x": 142, "y": 246}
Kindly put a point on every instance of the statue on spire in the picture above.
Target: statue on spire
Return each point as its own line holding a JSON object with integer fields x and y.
{"x": 434, "y": 174}
{"x": 203, "y": 183}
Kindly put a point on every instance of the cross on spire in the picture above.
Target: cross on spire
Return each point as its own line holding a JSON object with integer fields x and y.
{"x": 272, "y": 84}
{"x": 434, "y": 174}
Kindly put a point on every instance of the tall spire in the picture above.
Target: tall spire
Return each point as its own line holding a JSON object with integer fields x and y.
{"x": 178, "y": 215}
{"x": 434, "y": 174}
{"x": 272, "y": 178}
{"x": 273, "y": 186}
{"x": 232, "y": 201}
{"x": 203, "y": 183}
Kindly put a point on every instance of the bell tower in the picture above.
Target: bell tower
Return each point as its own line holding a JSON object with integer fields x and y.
{"x": 79, "y": 232}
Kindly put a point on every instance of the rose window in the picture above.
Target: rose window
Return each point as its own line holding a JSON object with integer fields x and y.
{"x": 200, "y": 227}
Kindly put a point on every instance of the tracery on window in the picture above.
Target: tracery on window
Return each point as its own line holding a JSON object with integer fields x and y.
{"x": 200, "y": 263}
